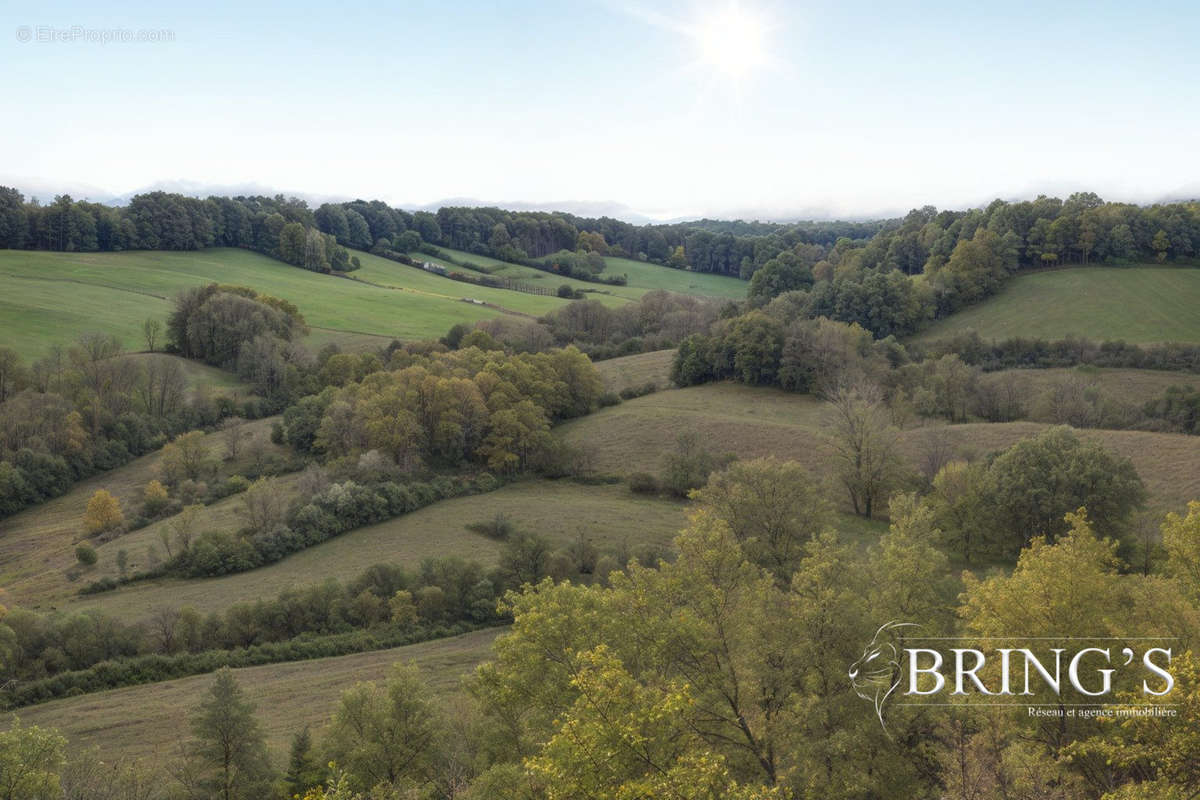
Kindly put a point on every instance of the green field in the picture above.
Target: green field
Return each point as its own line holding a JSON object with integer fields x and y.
{"x": 653, "y": 276}
{"x": 609, "y": 295}
{"x": 642, "y": 276}
{"x": 394, "y": 275}
{"x": 50, "y": 298}
{"x": 1142, "y": 304}
{"x": 143, "y": 722}
{"x": 1134, "y": 386}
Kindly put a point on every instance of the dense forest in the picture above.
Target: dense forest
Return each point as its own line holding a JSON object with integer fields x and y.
{"x": 1043, "y": 232}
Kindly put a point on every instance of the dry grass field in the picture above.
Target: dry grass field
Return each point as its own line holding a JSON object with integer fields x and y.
{"x": 149, "y": 722}
{"x": 1130, "y": 385}
{"x": 753, "y": 422}
{"x": 636, "y": 371}
{"x": 610, "y": 516}
{"x": 37, "y": 546}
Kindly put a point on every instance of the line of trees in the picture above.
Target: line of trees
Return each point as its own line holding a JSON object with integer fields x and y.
{"x": 1046, "y": 231}
{"x": 279, "y": 227}
{"x": 51, "y": 655}
{"x": 950, "y": 379}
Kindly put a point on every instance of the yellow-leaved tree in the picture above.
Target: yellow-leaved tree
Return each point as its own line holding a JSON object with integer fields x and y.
{"x": 103, "y": 513}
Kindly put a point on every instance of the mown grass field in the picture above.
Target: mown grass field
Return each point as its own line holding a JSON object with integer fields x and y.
{"x": 637, "y": 370}
{"x": 653, "y": 276}
{"x": 754, "y": 422}
{"x": 50, "y": 298}
{"x": 1136, "y": 304}
{"x": 42, "y": 540}
{"x": 642, "y": 277}
{"x": 609, "y": 295}
{"x": 1130, "y": 385}
{"x": 149, "y": 721}
{"x": 394, "y": 275}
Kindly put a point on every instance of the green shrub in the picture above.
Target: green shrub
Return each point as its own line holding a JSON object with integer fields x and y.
{"x": 643, "y": 483}
{"x": 86, "y": 555}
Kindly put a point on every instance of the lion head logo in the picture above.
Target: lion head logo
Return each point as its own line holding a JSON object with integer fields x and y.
{"x": 876, "y": 674}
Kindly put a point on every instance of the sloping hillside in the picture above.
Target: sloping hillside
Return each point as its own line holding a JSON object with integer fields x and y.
{"x": 1142, "y": 304}
{"x": 148, "y": 721}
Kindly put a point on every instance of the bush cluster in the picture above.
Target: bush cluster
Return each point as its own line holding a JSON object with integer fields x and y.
{"x": 340, "y": 508}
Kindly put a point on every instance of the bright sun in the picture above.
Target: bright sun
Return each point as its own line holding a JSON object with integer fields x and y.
{"x": 731, "y": 39}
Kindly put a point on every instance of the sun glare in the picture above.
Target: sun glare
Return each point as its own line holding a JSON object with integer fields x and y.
{"x": 732, "y": 39}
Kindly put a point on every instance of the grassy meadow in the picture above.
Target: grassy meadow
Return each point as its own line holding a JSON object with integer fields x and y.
{"x": 144, "y": 722}
{"x": 51, "y": 298}
{"x": 609, "y": 295}
{"x": 610, "y": 516}
{"x": 1135, "y": 304}
{"x": 754, "y": 422}
{"x": 402, "y": 277}
{"x": 642, "y": 277}
{"x": 653, "y": 276}
{"x": 1135, "y": 386}
{"x": 637, "y": 370}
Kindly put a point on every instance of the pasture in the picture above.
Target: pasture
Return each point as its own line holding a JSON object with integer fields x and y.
{"x": 37, "y": 546}
{"x": 1134, "y": 304}
{"x": 637, "y": 370}
{"x": 653, "y": 276}
{"x": 754, "y": 422}
{"x": 51, "y": 298}
{"x": 148, "y": 721}
{"x": 609, "y": 516}
{"x": 609, "y": 295}
{"x": 1134, "y": 386}
{"x": 642, "y": 277}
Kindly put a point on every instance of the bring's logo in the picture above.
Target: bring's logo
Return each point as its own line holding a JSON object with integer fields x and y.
{"x": 1086, "y": 669}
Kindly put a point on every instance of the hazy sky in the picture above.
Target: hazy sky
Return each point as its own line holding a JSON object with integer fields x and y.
{"x": 670, "y": 107}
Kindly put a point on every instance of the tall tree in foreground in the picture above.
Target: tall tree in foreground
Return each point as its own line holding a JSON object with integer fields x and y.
{"x": 228, "y": 758}
{"x": 865, "y": 445}
{"x": 385, "y": 734}
{"x": 773, "y": 508}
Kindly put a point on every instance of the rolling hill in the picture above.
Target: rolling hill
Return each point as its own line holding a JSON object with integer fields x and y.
{"x": 653, "y": 276}
{"x": 637, "y": 370}
{"x": 50, "y": 298}
{"x": 609, "y": 516}
{"x": 754, "y": 422}
{"x": 146, "y": 721}
{"x": 641, "y": 276}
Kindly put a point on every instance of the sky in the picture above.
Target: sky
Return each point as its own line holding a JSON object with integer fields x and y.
{"x": 663, "y": 108}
